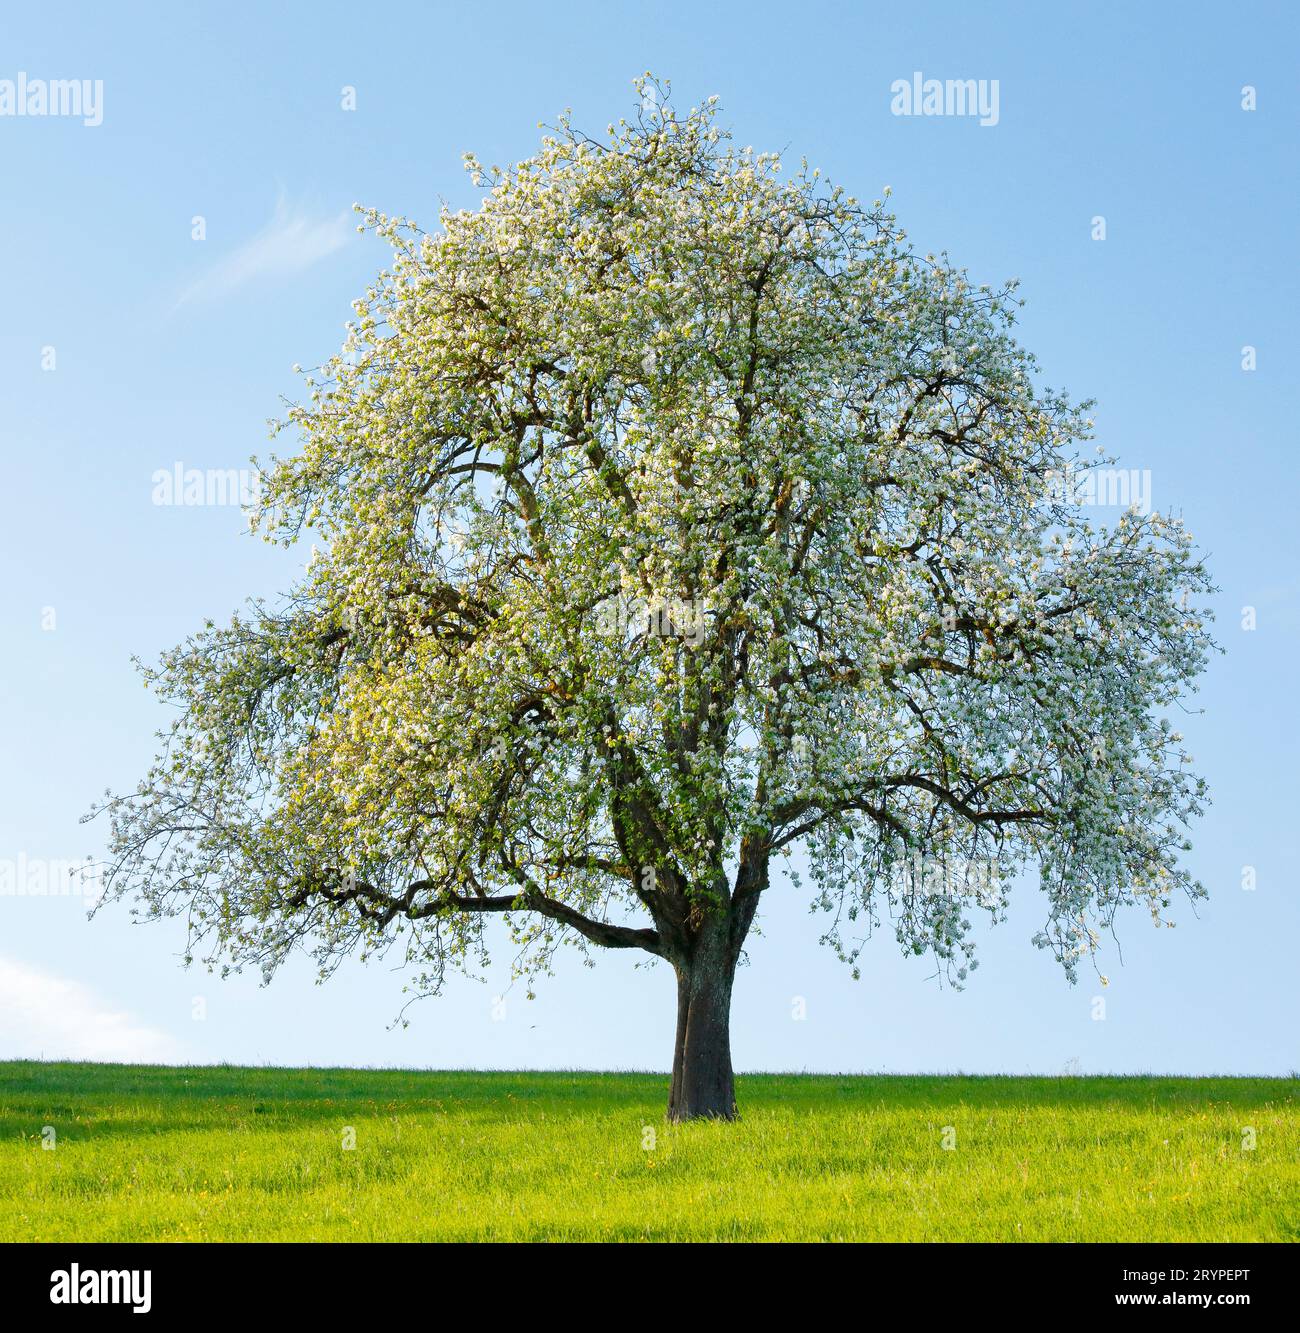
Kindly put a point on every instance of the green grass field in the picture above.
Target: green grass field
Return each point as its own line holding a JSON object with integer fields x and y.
{"x": 151, "y": 1153}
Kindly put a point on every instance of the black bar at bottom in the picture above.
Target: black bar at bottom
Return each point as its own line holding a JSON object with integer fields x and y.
{"x": 97, "y": 1281}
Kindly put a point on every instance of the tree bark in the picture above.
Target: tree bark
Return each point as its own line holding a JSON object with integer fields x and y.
{"x": 703, "y": 1086}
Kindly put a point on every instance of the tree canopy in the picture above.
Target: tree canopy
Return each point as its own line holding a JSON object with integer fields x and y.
{"x": 673, "y": 513}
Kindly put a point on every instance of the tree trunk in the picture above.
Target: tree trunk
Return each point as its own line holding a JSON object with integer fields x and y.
{"x": 703, "y": 1086}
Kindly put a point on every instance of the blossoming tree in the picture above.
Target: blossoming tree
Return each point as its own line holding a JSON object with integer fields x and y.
{"x": 674, "y": 514}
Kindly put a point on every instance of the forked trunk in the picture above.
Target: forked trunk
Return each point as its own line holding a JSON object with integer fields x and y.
{"x": 703, "y": 1086}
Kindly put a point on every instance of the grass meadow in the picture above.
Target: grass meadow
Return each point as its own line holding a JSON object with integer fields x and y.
{"x": 236, "y": 1154}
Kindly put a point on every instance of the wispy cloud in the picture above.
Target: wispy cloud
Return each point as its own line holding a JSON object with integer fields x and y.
{"x": 292, "y": 241}
{"x": 45, "y": 1017}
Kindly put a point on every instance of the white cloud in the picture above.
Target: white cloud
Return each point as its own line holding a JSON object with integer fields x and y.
{"x": 290, "y": 242}
{"x": 45, "y": 1017}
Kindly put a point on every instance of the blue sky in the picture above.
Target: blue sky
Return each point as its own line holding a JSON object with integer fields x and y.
{"x": 168, "y": 349}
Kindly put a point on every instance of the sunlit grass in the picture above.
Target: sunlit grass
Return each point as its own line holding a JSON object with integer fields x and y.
{"x": 152, "y": 1153}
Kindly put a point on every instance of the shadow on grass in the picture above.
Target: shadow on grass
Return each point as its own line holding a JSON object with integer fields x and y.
{"x": 93, "y": 1102}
